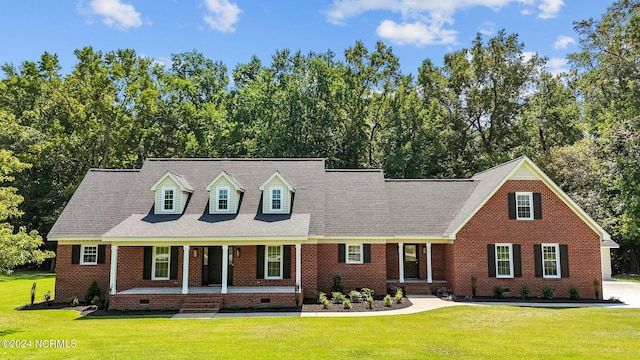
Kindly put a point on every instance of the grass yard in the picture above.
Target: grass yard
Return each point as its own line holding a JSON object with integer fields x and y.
{"x": 627, "y": 277}
{"x": 464, "y": 332}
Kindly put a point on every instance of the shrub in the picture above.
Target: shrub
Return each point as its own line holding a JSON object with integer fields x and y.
{"x": 398, "y": 295}
{"x": 596, "y": 287}
{"x": 95, "y": 300}
{"x": 126, "y": 309}
{"x": 498, "y": 292}
{"x": 92, "y": 292}
{"x": 355, "y": 296}
{"x": 338, "y": 286}
{"x": 325, "y": 303}
{"x": 369, "y": 300}
{"x": 443, "y": 292}
{"x": 235, "y": 307}
{"x": 547, "y": 292}
{"x": 165, "y": 309}
{"x": 346, "y": 304}
{"x": 474, "y": 281}
{"x": 337, "y": 297}
{"x": 255, "y": 306}
{"x": 33, "y": 292}
{"x": 387, "y": 300}
{"x": 277, "y": 306}
{"x": 524, "y": 292}
{"x": 366, "y": 292}
{"x": 47, "y": 297}
{"x": 574, "y": 294}
{"x": 146, "y": 308}
{"x": 321, "y": 296}
{"x": 74, "y": 301}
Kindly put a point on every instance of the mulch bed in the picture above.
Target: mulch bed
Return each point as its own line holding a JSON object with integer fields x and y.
{"x": 536, "y": 300}
{"x": 82, "y": 309}
{"x": 378, "y": 305}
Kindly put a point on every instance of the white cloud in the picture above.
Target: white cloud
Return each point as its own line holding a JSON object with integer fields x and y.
{"x": 557, "y": 65}
{"x": 550, "y": 8}
{"x": 563, "y": 41}
{"x": 528, "y": 55}
{"x": 416, "y": 33}
{"x": 116, "y": 14}
{"x": 425, "y": 21}
{"x": 487, "y": 29}
{"x": 222, "y": 15}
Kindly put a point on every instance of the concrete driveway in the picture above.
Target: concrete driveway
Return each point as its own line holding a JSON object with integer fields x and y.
{"x": 628, "y": 292}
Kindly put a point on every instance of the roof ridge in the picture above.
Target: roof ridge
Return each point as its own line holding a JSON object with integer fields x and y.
{"x": 113, "y": 170}
{"x": 501, "y": 165}
{"x": 430, "y": 180}
{"x": 234, "y": 159}
{"x": 353, "y": 170}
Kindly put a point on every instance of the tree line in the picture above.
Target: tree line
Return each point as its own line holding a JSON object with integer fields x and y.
{"x": 486, "y": 104}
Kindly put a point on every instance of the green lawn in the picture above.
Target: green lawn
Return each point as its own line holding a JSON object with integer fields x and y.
{"x": 463, "y": 332}
{"x": 628, "y": 277}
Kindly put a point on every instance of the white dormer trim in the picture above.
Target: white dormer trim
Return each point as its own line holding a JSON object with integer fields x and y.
{"x": 180, "y": 188}
{"x": 226, "y": 182}
{"x": 276, "y": 182}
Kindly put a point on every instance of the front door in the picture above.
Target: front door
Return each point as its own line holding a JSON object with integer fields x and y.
{"x": 212, "y": 266}
{"x": 411, "y": 265}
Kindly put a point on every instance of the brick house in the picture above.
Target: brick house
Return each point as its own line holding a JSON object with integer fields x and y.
{"x": 184, "y": 233}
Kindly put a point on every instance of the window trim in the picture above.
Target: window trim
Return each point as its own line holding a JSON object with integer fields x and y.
{"x": 531, "y": 209}
{"x": 271, "y": 190}
{"x": 360, "y": 252}
{"x": 511, "y": 265}
{"x": 218, "y": 189}
{"x": 82, "y": 253}
{"x": 163, "y": 199}
{"x": 556, "y": 247}
{"x": 266, "y": 263}
{"x": 154, "y": 256}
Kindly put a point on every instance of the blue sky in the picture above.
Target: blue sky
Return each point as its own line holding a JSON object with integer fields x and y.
{"x": 232, "y": 31}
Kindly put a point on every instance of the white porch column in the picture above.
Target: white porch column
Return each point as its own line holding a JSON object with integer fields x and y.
{"x": 299, "y": 266}
{"x": 114, "y": 269}
{"x": 225, "y": 268}
{"x": 185, "y": 269}
{"x": 429, "y": 275}
{"x": 401, "y": 262}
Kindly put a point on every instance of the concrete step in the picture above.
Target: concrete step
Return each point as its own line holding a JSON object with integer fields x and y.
{"x": 201, "y": 304}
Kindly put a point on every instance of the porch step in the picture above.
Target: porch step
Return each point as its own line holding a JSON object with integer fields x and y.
{"x": 413, "y": 288}
{"x": 201, "y": 304}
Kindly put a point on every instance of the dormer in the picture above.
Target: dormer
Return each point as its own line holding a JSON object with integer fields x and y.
{"x": 224, "y": 194}
{"x": 276, "y": 195}
{"x": 171, "y": 194}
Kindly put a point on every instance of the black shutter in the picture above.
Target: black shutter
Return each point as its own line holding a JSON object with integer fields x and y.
{"x": 173, "y": 272}
{"x": 537, "y": 258}
{"x": 75, "y": 254}
{"x": 341, "y": 251}
{"x": 491, "y": 259}
{"x": 260, "y": 262}
{"x": 564, "y": 261}
{"x": 511, "y": 198}
{"x": 146, "y": 268}
{"x": 517, "y": 262}
{"x": 366, "y": 248}
{"x": 537, "y": 206}
{"x": 286, "y": 270}
{"x": 101, "y": 253}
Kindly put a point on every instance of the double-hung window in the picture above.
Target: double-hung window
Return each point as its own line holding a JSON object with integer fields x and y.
{"x": 168, "y": 199}
{"x": 89, "y": 255}
{"x": 273, "y": 262}
{"x": 504, "y": 260}
{"x": 276, "y": 199}
{"x": 354, "y": 254}
{"x": 550, "y": 261}
{"x": 160, "y": 266}
{"x": 524, "y": 206}
{"x": 222, "y": 201}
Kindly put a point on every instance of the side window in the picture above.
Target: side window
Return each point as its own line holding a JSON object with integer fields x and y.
{"x": 89, "y": 255}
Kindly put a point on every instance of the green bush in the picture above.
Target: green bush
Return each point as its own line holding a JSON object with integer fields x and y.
{"x": 399, "y": 295}
{"x": 325, "y": 303}
{"x": 321, "y": 296}
{"x": 33, "y": 292}
{"x": 235, "y": 307}
{"x": 74, "y": 301}
{"x": 369, "y": 301}
{"x": 366, "y": 292}
{"x": 346, "y": 304}
{"x": 92, "y": 292}
{"x": 574, "y": 294}
{"x": 387, "y": 300}
{"x": 498, "y": 292}
{"x": 338, "y": 297}
{"x": 547, "y": 292}
{"x": 95, "y": 300}
{"x": 338, "y": 286}
{"x": 355, "y": 296}
{"x": 524, "y": 292}
{"x": 146, "y": 308}
{"x": 277, "y": 306}
{"x": 255, "y": 306}
{"x": 126, "y": 309}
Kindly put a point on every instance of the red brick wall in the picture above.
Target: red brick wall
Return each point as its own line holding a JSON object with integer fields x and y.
{"x": 392, "y": 261}
{"x": 559, "y": 224}
{"x": 75, "y": 279}
{"x": 371, "y": 275}
{"x": 438, "y": 267}
{"x": 174, "y": 301}
{"x": 130, "y": 267}
{"x": 309, "y": 272}
{"x": 244, "y": 269}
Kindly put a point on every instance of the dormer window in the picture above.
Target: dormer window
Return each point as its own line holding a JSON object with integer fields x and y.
{"x": 276, "y": 199}
{"x": 222, "y": 199}
{"x": 224, "y": 194}
{"x": 168, "y": 199}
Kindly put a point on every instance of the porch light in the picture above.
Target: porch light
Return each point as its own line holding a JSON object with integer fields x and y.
{"x": 237, "y": 252}
{"x": 424, "y": 250}
{"x": 195, "y": 253}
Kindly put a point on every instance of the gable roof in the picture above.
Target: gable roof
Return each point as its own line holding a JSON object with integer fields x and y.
{"x": 223, "y": 174}
{"x": 177, "y": 179}
{"x": 276, "y": 174}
